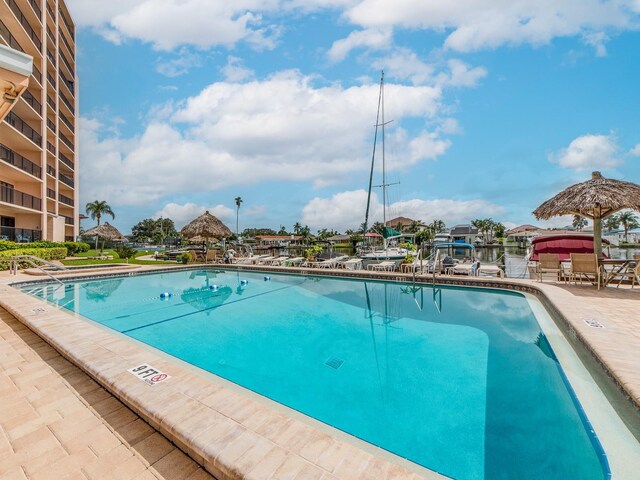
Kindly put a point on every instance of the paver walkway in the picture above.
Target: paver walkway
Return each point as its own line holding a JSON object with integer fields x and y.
{"x": 57, "y": 423}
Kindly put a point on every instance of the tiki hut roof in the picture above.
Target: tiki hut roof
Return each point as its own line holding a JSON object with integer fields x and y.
{"x": 605, "y": 194}
{"x": 206, "y": 226}
{"x": 106, "y": 231}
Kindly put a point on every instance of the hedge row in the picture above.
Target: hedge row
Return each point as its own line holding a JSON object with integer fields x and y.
{"x": 72, "y": 247}
{"x": 58, "y": 253}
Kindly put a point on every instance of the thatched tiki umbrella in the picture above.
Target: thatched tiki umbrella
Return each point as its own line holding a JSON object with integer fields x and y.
{"x": 206, "y": 226}
{"x": 106, "y": 231}
{"x": 595, "y": 199}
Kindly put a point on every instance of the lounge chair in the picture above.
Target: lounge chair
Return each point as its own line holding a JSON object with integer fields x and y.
{"x": 629, "y": 272}
{"x": 549, "y": 263}
{"x": 279, "y": 260}
{"x": 351, "y": 264}
{"x": 386, "y": 265}
{"x": 294, "y": 262}
{"x": 264, "y": 260}
{"x": 584, "y": 266}
{"x": 331, "y": 262}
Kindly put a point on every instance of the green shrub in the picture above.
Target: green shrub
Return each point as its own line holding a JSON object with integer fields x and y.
{"x": 313, "y": 251}
{"x": 41, "y": 244}
{"x": 58, "y": 253}
{"x": 7, "y": 245}
{"x": 125, "y": 251}
{"x": 76, "y": 247}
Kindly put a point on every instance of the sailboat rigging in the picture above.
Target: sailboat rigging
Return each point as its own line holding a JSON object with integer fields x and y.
{"x": 388, "y": 233}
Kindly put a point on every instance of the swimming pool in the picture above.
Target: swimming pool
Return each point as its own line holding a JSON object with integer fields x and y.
{"x": 461, "y": 381}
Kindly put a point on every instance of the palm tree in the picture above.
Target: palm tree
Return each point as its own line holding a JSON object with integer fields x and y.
{"x": 579, "y": 222}
{"x": 238, "y": 202}
{"x": 297, "y": 228}
{"x": 438, "y": 226}
{"x": 612, "y": 222}
{"x": 628, "y": 221}
{"x": 98, "y": 208}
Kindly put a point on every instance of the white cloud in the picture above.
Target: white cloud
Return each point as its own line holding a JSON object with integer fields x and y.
{"x": 597, "y": 40}
{"x": 376, "y": 39}
{"x": 183, "y": 214}
{"x": 346, "y": 210}
{"x": 181, "y": 64}
{"x": 588, "y": 152}
{"x": 232, "y": 134}
{"x": 461, "y": 75}
{"x": 234, "y": 71}
{"x": 635, "y": 151}
{"x": 479, "y": 24}
{"x": 404, "y": 64}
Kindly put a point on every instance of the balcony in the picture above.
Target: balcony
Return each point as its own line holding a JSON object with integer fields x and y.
{"x": 67, "y": 23}
{"x": 68, "y": 83}
{"x": 66, "y": 200}
{"x": 51, "y": 125}
{"x": 66, "y": 161}
{"x": 51, "y": 194}
{"x": 17, "y": 123}
{"x": 51, "y": 12}
{"x": 51, "y": 147}
{"x": 66, "y": 63}
{"x": 52, "y": 80}
{"x": 25, "y": 23}
{"x": 16, "y": 197}
{"x": 30, "y": 99}
{"x": 51, "y": 102}
{"x": 69, "y": 220}
{"x": 51, "y": 171}
{"x": 11, "y": 40}
{"x": 36, "y": 8}
{"x": 9, "y": 156}
{"x": 66, "y": 121}
{"x": 66, "y": 141}
{"x": 66, "y": 180}
{"x": 37, "y": 74}
{"x": 20, "y": 234}
{"x": 67, "y": 103}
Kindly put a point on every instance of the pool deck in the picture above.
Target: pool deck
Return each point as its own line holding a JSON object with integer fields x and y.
{"x": 225, "y": 429}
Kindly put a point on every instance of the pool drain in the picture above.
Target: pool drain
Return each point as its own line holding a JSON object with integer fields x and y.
{"x": 334, "y": 363}
{"x": 593, "y": 323}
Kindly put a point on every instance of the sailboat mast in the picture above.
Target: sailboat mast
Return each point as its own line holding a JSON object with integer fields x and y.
{"x": 384, "y": 176}
{"x": 373, "y": 156}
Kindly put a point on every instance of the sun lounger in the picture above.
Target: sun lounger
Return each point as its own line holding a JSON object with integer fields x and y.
{"x": 351, "y": 264}
{"x": 294, "y": 262}
{"x": 331, "y": 263}
{"x": 279, "y": 260}
{"x": 264, "y": 260}
{"x": 386, "y": 265}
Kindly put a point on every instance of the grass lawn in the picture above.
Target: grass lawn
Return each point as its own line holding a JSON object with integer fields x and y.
{"x": 85, "y": 260}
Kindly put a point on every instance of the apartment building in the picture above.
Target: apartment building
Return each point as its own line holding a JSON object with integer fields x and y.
{"x": 39, "y": 135}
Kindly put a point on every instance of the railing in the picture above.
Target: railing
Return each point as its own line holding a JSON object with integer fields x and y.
{"x": 66, "y": 44}
{"x": 67, "y": 103}
{"x": 51, "y": 37}
{"x": 51, "y": 125}
{"x": 16, "y": 197}
{"x": 51, "y": 57}
{"x": 51, "y": 102}
{"x": 66, "y": 62}
{"x": 11, "y": 40}
{"x": 37, "y": 74}
{"x": 36, "y": 8}
{"x": 66, "y": 161}
{"x": 51, "y": 147}
{"x": 51, "y": 171}
{"x": 66, "y": 121}
{"x": 67, "y": 23}
{"x": 66, "y": 180}
{"x": 68, "y": 83}
{"x": 69, "y": 220}
{"x": 34, "y": 262}
{"x": 51, "y": 193}
{"x": 17, "y": 160}
{"x": 66, "y": 141}
{"x": 20, "y": 234}
{"x": 30, "y": 99}
{"x": 17, "y": 123}
{"x": 52, "y": 80}
{"x": 25, "y": 23}
{"x": 66, "y": 200}
{"x": 51, "y": 12}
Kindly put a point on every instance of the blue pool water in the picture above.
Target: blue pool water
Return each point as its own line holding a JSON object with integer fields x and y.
{"x": 461, "y": 381}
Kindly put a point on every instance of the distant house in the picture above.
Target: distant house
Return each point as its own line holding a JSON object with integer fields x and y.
{"x": 402, "y": 224}
{"x": 338, "y": 239}
{"x": 465, "y": 233}
{"x": 266, "y": 241}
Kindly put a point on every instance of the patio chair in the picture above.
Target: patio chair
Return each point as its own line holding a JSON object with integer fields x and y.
{"x": 549, "y": 263}
{"x": 197, "y": 255}
{"x": 211, "y": 256}
{"x": 386, "y": 265}
{"x": 331, "y": 262}
{"x": 631, "y": 272}
{"x": 585, "y": 266}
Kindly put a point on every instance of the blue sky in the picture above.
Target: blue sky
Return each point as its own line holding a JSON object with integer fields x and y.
{"x": 496, "y": 106}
